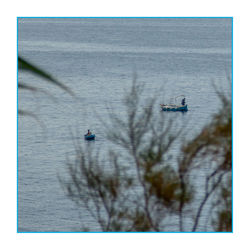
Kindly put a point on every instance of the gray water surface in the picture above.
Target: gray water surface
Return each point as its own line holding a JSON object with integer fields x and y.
{"x": 96, "y": 58}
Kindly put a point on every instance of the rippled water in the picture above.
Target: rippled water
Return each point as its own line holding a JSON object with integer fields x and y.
{"x": 96, "y": 58}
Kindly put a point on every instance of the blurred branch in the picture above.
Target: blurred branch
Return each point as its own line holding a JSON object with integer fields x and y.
{"x": 25, "y": 86}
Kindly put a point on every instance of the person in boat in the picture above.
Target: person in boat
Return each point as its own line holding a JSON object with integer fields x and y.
{"x": 183, "y": 102}
{"x": 89, "y": 133}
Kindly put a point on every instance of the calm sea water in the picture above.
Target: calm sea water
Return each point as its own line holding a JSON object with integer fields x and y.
{"x": 96, "y": 58}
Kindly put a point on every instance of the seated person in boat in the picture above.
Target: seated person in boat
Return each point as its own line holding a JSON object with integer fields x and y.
{"x": 183, "y": 102}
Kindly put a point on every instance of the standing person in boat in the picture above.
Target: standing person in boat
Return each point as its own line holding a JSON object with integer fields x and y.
{"x": 183, "y": 102}
{"x": 89, "y": 133}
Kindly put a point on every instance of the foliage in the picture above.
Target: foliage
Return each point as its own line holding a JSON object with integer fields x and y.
{"x": 148, "y": 190}
{"x": 213, "y": 147}
{"x": 25, "y": 66}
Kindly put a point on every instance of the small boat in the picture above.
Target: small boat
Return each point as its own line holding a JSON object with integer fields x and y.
{"x": 89, "y": 137}
{"x": 174, "y": 107}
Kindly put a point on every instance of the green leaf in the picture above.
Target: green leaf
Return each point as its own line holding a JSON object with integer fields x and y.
{"x": 25, "y": 65}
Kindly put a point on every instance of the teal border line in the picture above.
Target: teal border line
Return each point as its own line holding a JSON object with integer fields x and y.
{"x": 17, "y": 129}
{"x": 92, "y": 17}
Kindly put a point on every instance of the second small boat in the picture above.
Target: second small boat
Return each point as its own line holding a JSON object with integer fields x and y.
{"x": 174, "y": 107}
